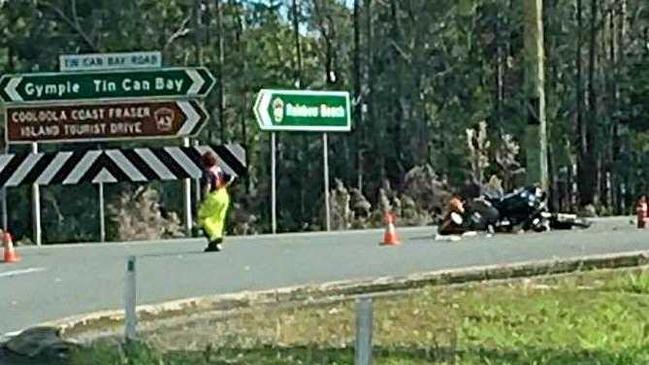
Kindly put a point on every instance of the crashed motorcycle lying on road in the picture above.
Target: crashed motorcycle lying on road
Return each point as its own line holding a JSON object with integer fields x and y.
{"x": 523, "y": 209}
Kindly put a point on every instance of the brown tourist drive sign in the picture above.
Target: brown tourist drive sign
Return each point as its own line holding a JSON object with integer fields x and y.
{"x": 104, "y": 121}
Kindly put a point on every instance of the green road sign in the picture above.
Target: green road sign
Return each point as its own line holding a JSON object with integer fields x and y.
{"x": 55, "y": 87}
{"x": 300, "y": 110}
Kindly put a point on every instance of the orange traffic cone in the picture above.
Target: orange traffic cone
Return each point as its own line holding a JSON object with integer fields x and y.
{"x": 10, "y": 254}
{"x": 390, "y": 237}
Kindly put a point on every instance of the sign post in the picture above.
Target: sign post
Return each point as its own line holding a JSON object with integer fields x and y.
{"x": 102, "y": 214}
{"x": 303, "y": 110}
{"x": 273, "y": 179}
{"x": 187, "y": 196}
{"x": 5, "y": 213}
{"x": 36, "y": 207}
{"x": 325, "y": 154}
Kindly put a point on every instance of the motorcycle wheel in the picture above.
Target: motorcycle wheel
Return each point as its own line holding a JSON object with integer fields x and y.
{"x": 538, "y": 225}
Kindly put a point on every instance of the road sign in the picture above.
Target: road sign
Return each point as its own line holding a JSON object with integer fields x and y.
{"x": 300, "y": 110}
{"x": 107, "y": 61}
{"x": 117, "y": 165}
{"x": 105, "y": 121}
{"x": 58, "y": 87}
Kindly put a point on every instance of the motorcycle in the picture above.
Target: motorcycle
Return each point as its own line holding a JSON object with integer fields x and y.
{"x": 523, "y": 209}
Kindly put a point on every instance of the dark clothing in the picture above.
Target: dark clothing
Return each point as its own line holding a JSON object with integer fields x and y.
{"x": 470, "y": 191}
{"x": 212, "y": 179}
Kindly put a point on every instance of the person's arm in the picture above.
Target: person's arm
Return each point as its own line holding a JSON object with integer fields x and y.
{"x": 205, "y": 184}
{"x": 229, "y": 178}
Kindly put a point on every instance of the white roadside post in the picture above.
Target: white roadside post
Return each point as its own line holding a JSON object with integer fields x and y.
{"x": 364, "y": 329}
{"x": 130, "y": 300}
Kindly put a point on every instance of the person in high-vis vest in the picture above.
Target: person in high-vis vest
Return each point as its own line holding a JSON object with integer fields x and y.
{"x": 216, "y": 200}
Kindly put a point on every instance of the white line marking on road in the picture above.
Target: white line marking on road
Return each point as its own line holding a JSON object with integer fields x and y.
{"x": 21, "y": 272}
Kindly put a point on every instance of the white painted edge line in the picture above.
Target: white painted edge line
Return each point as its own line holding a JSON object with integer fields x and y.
{"x": 6, "y": 274}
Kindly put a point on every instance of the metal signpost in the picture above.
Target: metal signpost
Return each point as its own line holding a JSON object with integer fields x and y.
{"x": 5, "y": 213}
{"x": 187, "y": 196}
{"x": 102, "y": 214}
{"x": 36, "y": 207}
{"x": 303, "y": 110}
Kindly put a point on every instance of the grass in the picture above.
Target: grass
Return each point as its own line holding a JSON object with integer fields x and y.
{"x": 588, "y": 318}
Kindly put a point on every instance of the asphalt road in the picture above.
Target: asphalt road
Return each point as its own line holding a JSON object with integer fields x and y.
{"x": 59, "y": 281}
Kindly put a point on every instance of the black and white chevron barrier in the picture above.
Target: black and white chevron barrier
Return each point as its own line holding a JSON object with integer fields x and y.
{"x": 116, "y": 165}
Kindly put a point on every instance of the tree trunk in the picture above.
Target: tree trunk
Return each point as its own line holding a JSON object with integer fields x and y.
{"x": 397, "y": 112}
{"x": 619, "y": 36}
{"x": 198, "y": 23}
{"x": 536, "y": 131}
{"x": 500, "y": 74}
{"x": 606, "y": 193}
{"x": 592, "y": 167}
{"x": 358, "y": 98}
{"x": 585, "y": 162}
{"x": 221, "y": 102}
{"x": 297, "y": 70}
{"x": 370, "y": 81}
{"x": 243, "y": 84}
{"x": 298, "y": 47}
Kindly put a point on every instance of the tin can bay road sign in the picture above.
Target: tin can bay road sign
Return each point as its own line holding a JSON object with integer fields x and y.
{"x": 302, "y": 110}
{"x": 105, "y": 121}
{"x": 105, "y": 61}
{"x": 56, "y": 87}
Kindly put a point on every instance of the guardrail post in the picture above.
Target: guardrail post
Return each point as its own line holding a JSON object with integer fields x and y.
{"x": 364, "y": 329}
{"x": 130, "y": 301}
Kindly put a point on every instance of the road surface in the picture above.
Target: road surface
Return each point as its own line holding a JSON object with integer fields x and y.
{"x": 59, "y": 281}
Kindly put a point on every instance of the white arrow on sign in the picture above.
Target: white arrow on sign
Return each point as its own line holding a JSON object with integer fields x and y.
{"x": 261, "y": 109}
{"x": 197, "y": 82}
{"x": 11, "y": 89}
{"x": 192, "y": 115}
